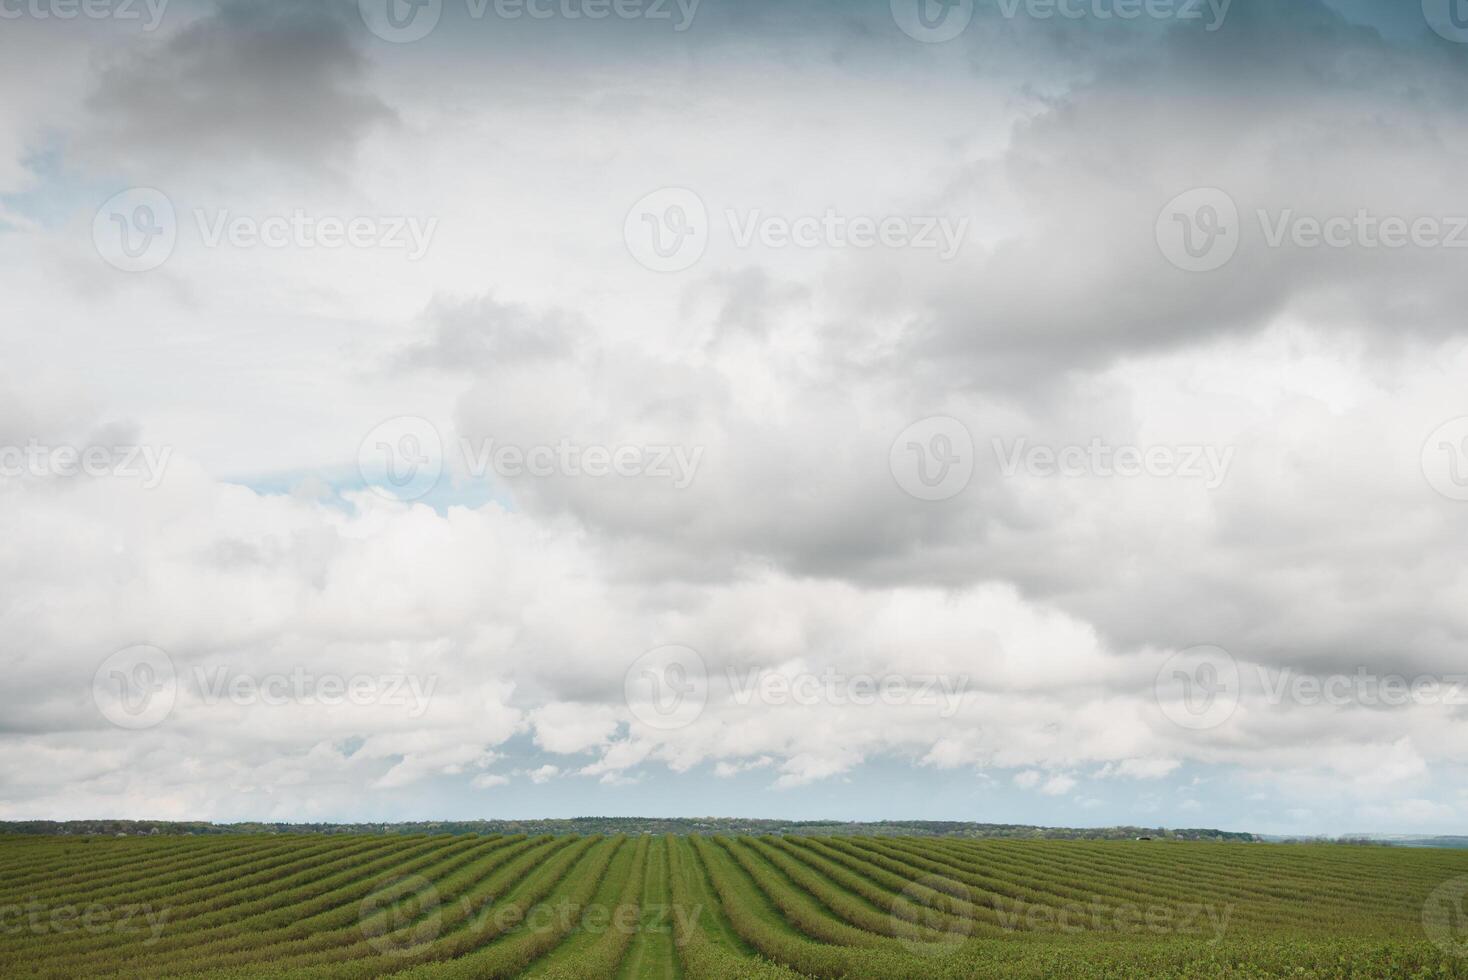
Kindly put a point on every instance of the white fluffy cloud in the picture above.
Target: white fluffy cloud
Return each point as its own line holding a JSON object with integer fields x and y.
{"x": 1041, "y": 607}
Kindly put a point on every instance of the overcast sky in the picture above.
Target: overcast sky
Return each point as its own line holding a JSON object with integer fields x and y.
{"x": 1042, "y": 411}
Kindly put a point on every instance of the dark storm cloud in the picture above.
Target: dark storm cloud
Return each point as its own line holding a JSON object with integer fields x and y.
{"x": 1288, "y": 106}
{"x": 250, "y": 80}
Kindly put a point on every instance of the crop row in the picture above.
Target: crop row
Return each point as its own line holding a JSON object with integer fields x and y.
{"x": 441, "y": 907}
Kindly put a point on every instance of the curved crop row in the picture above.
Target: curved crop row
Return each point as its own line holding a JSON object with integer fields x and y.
{"x": 441, "y": 907}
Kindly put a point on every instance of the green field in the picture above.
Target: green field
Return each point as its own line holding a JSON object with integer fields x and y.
{"x": 723, "y": 907}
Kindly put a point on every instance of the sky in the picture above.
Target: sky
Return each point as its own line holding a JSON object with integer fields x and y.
{"x": 1035, "y": 411}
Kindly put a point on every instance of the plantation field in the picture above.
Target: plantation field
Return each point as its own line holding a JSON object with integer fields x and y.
{"x": 462, "y": 906}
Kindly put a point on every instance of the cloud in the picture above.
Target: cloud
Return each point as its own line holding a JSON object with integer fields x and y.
{"x": 276, "y": 82}
{"x": 1075, "y": 279}
{"x": 807, "y": 767}
{"x": 1138, "y": 769}
{"x": 1058, "y": 785}
{"x": 567, "y": 728}
{"x": 487, "y": 337}
{"x": 727, "y": 770}
{"x": 544, "y": 774}
{"x": 1048, "y": 602}
{"x": 1027, "y": 779}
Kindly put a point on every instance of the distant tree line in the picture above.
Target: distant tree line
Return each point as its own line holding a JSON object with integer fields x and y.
{"x": 625, "y": 825}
